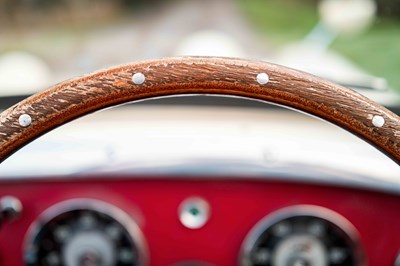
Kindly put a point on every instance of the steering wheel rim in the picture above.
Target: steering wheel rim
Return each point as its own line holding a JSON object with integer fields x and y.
{"x": 64, "y": 102}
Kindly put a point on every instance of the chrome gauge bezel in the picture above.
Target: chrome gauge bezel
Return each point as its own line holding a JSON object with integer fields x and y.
{"x": 126, "y": 221}
{"x": 297, "y": 211}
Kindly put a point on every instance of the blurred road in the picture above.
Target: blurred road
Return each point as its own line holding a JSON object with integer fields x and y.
{"x": 157, "y": 33}
{"x": 152, "y": 33}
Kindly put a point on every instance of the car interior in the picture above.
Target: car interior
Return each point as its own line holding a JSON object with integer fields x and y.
{"x": 231, "y": 193}
{"x": 199, "y": 133}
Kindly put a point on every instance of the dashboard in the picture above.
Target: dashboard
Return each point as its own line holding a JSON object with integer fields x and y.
{"x": 177, "y": 220}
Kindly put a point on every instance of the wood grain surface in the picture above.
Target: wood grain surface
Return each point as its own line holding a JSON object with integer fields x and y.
{"x": 199, "y": 75}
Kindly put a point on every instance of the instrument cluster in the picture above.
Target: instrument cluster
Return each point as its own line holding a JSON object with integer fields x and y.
{"x": 196, "y": 223}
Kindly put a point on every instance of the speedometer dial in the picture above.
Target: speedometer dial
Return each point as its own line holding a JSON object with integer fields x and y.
{"x": 84, "y": 232}
{"x": 302, "y": 236}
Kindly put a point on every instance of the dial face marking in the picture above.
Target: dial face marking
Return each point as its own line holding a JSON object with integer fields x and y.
{"x": 281, "y": 229}
{"x": 126, "y": 256}
{"x": 337, "y": 255}
{"x": 262, "y": 256}
{"x": 87, "y": 221}
{"x": 53, "y": 259}
{"x": 61, "y": 233}
{"x": 317, "y": 228}
{"x": 113, "y": 231}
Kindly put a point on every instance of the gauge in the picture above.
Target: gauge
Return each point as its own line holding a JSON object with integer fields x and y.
{"x": 84, "y": 232}
{"x": 192, "y": 263}
{"x": 302, "y": 236}
{"x": 397, "y": 262}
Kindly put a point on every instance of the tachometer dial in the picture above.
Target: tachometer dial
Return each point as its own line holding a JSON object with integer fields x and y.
{"x": 302, "y": 236}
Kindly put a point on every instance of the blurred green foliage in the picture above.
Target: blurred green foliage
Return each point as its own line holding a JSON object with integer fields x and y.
{"x": 376, "y": 51}
{"x": 281, "y": 21}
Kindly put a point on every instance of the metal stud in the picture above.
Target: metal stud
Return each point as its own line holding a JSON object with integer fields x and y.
{"x": 378, "y": 121}
{"x": 25, "y": 120}
{"x": 262, "y": 78}
{"x": 138, "y": 78}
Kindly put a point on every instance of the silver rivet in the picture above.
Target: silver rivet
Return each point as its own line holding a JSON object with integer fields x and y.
{"x": 25, "y": 120}
{"x": 138, "y": 78}
{"x": 378, "y": 121}
{"x": 262, "y": 78}
{"x": 194, "y": 212}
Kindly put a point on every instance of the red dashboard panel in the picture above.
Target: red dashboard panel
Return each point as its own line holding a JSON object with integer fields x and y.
{"x": 236, "y": 205}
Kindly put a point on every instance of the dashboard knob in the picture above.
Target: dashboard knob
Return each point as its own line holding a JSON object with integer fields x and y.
{"x": 194, "y": 212}
{"x": 10, "y": 208}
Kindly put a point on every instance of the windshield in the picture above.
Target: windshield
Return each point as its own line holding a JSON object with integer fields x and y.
{"x": 352, "y": 42}
{"x": 188, "y": 136}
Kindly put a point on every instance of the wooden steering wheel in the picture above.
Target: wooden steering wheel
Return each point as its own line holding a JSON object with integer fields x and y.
{"x": 262, "y": 81}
